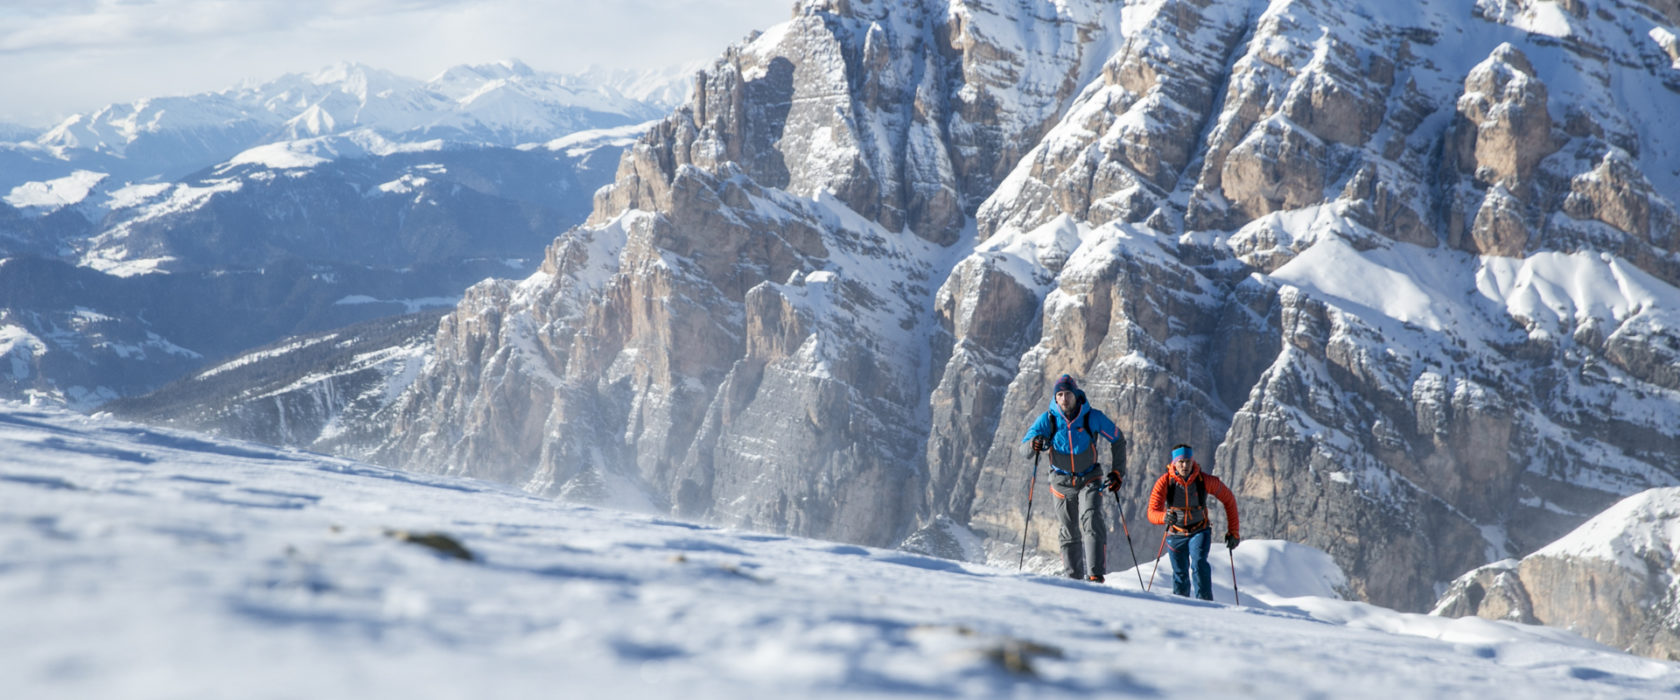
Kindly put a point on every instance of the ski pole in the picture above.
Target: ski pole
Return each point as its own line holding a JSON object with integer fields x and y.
{"x": 1157, "y": 567}
{"x": 1234, "y": 593}
{"x": 1028, "y": 525}
{"x": 1128, "y": 531}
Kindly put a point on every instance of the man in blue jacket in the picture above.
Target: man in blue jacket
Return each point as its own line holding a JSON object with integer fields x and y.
{"x": 1068, "y": 431}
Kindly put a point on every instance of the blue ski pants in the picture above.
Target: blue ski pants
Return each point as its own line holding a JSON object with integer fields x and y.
{"x": 1185, "y": 550}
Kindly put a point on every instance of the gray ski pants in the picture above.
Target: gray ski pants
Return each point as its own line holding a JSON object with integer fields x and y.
{"x": 1084, "y": 534}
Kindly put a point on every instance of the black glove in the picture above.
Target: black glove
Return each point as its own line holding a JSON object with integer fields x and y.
{"x": 1231, "y": 541}
{"x": 1174, "y": 518}
{"x": 1113, "y": 481}
{"x": 1039, "y": 444}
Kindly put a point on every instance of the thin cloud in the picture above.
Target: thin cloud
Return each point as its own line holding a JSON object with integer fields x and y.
{"x": 66, "y": 56}
{"x": 111, "y": 24}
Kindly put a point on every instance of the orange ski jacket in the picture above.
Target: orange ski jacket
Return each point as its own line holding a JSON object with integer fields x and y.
{"x": 1191, "y": 500}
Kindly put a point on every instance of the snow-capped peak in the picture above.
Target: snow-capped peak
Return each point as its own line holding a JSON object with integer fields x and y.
{"x": 361, "y": 80}
{"x": 499, "y": 70}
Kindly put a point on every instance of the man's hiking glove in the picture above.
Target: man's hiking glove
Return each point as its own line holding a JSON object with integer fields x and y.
{"x": 1113, "y": 481}
{"x": 1039, "y": 444}
{"x": 1174, "y": 518}
{"x": 1231, "y": 541}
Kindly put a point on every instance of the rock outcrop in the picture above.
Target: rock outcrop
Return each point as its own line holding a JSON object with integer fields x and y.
{"x": 1614, "y": 580}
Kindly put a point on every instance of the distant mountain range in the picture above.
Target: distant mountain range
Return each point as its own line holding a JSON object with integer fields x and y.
{"x": 295, "y": 205}
{"x": 371, "y": 111}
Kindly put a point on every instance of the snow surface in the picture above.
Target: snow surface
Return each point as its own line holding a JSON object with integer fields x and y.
{"x": 136, "y": 195}
{"x": 1566, "y": 289}
{"x": 146, "y": 563}
{"x": 582, "y": 142}
{"x": 52, "y": 194}
{"x": 279, "y": 156}
{"x": 20, "y": 348}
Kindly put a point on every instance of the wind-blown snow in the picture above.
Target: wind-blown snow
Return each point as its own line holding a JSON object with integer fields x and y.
{"x": 146, "y": 563}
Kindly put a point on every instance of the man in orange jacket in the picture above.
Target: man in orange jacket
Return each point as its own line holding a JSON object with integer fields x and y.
{"x": 1179, "y": 501}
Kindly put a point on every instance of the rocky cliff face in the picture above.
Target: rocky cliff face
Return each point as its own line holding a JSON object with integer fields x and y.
{"x": 1613, "y": 580}
{"x": 1405, "y": 275}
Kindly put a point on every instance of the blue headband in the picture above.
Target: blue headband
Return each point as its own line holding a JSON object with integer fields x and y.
{"x": 1181, "y": 452}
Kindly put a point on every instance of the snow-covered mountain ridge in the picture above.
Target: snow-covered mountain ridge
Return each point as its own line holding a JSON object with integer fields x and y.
{"x": 500, "y": 104}
{"x": 117, "y": 156}
{"x": 148, "y": 563}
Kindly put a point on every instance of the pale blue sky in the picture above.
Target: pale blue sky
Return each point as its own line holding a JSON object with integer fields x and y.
{"x": 59, "y": 57}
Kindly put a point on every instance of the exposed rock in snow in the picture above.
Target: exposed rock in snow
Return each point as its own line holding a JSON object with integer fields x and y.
{"x": 1615, "y": 580}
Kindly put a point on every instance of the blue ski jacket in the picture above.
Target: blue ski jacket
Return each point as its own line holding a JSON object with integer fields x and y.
{"x": 1067, "y": 435}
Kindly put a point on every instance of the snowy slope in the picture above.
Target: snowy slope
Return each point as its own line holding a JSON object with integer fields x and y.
{"x": 143, "y": 563}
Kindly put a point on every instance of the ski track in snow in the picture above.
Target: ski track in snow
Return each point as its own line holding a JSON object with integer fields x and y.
{"x": 144, "y": 563}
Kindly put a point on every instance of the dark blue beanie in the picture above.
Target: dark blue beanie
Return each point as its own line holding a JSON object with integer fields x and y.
{"x": 1066, "y": 383}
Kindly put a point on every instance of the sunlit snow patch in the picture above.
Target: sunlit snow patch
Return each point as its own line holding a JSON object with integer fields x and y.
{"x": 53, "y": 194}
